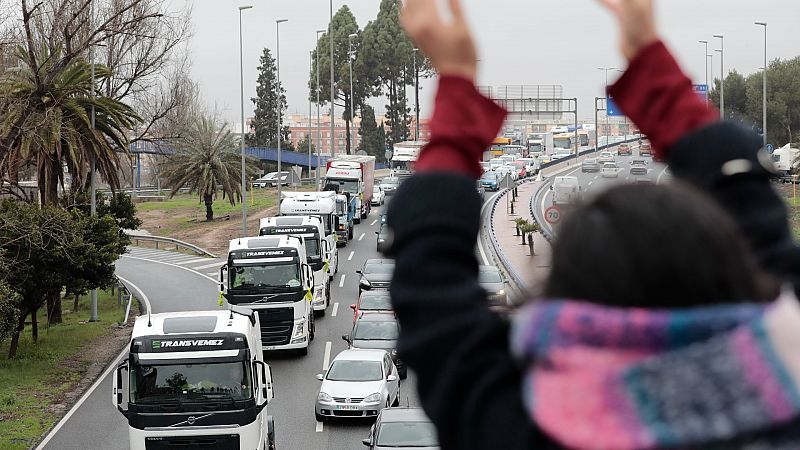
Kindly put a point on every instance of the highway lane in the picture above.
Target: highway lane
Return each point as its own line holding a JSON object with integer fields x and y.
{"x": 175, "y": 282}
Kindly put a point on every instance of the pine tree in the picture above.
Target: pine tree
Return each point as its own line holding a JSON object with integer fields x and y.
{"x": 372, "y": 135}
{"x": 265, "y": 122}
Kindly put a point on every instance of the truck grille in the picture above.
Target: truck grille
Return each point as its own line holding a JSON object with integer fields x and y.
{"x": 213, "y": 442}
{"x": 276, "y": 325}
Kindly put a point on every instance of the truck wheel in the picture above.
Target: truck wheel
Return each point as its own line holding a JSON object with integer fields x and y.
{"x": 357, "y": 219}
{"x": 271, "y": 434}
{"x": 327, "y": 295}
{"x": 303, "y": 351}
{"x": 312, "y": 328}
{"x": 350, "y": 234}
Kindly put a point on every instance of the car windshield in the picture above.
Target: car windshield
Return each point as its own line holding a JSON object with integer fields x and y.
{"x": 375, "y": 302}
{"x": 150, "y": 384}
{"x": 379, "y": 268}
{"x": 345, "y": 370}
{"x": 376, "y": 190}
{"x": 391, "y": 181}
{"x": 609, "y": 166}
{"x": 407, "y": 434}
{"x": 285, "y": 274}
{"x": 374, "y": 330}
{"x": 489, "y": 277}
{"x": 489, "y": 176}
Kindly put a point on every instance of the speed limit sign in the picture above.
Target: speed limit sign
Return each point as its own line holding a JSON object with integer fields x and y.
{"x": 552, "y": 215}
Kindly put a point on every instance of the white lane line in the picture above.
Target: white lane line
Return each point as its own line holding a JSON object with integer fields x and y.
{"x": 212, "y": 274}
{"x": 192, "y": 261}
{"x": 663, "y": 172}
{"x": 590, "y": 183}
{"x": 362, "y": 236}
{"x": 99, "y": 380}
{"x": 335, "y": 309}
{"x": 319, "y": 427}
{"x": 374, "y": 222}
{"x": 173, "y": 265}
{"x": 350, "y": 258}
{"x": 341, "y": 280}
{"x": 326, "y": 359}
{"x": 208, "y": 266}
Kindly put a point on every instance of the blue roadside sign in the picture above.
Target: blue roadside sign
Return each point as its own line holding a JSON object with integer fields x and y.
{"x": 612, "y": 109}
{"x": 702, "y": 91}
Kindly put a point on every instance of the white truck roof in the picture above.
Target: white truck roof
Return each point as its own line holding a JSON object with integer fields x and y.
{"x": 303, "y": 203}
{"x": 289, "y": 221}
{"x": 264, "y": 242}
{"x": 190, "y": 322}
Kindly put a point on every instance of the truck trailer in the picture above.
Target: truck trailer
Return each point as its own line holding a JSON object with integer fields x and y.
{"x": 354, "y": 174}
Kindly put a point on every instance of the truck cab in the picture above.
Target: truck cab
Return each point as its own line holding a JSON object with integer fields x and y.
{"x": 354, "y": 174}
{"x": 270, "y": 275}
{"x": 196, "y": 377}
{"x": 316, "y": 204}
{"x": 566, "y": 190}
{"x": 318, "y": 252}
{"x": 346, "y": 208}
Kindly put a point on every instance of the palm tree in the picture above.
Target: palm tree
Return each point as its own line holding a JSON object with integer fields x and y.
{"x": 207, "y": 161}
{"x": 46, "y": 119}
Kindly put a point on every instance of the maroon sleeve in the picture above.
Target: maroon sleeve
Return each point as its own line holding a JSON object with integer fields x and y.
{"x": 463, "y": 126}
{"x": 660, "y": 99}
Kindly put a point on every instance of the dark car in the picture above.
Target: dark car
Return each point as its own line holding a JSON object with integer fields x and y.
{"x": 375, "y": 274}
{"x": 491, "y": 280}
{"x": 402, "y": 428}
{"x": 377, "y": 330}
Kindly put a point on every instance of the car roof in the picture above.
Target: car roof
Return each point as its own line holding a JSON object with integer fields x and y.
{"x": 484, "y": 268}
{"x": 375, "y": 294}
{"x": 379, "y": 261}
{"x": 376, "y": 316}
{"x": 358, "y": 354}
{"x": 403, "y": 414}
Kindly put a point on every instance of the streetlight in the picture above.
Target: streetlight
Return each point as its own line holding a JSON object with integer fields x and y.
{"x": 241, "y": 95}
{"x": 93, "y": 177}
{"x": 319, "y": 132}
{"x": 706, "y": 63}
{"x": 308, "y": 134}
{"x": 764, "y": 105}
{"x": 721, "y": 51}
{"x": 608, "y": 127}
{"x": 352, "y": 111}
{"x": 711, "y": 69}
{"x": 278, "y": 84}
{"x": 333, "y": 92}
{"x": 416, "y": 95}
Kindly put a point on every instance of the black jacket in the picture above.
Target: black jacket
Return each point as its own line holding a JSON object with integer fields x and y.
{"x": 469, "y": 383}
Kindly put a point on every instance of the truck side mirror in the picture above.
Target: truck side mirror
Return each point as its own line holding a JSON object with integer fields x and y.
{"x": 367, "y": 442}
{"x": 117, "y": 388}
{"x": 346, "y": 338}
{"x": 222, "y": 271}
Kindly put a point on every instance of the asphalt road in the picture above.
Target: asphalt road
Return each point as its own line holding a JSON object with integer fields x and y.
{"x": 175, "y": 282}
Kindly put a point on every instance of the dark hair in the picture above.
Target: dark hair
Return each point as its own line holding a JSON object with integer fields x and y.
{"x": 655, "y": 247}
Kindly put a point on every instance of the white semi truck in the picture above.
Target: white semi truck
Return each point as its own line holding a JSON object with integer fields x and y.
{"x": 354, "y": 174}
{"x": 404, "y": 156}
{"x": 316, "y": 204}
{"x": 270, "y": 275}
{"x": 196, "y": 380}
{"x": 318, "y": 251}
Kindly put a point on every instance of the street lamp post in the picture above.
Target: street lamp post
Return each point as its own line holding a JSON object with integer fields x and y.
{"x": 93, "y": 176}
{"x": 416, "y": 96}
{"x": 308, "y": 134}
{"x": 608, "y": 127}
{"x": 241, "y": 95}
{"x": 333, "y": 92}
{"x": 705, "y": 61}
{"x": 764, "y": 95}
{"x": 711, "y": 69}
{"x": 721, "y": 51}
{"x": 352, "y": 111}
{"x": 319, "y": 131}
{"x": 278, "y": 87}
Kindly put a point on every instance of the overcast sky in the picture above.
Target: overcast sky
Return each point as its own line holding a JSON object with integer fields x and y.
{"x": 520, "y": 42}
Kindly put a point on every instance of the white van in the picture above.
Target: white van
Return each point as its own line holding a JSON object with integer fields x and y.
{"x": 566, "y": 190}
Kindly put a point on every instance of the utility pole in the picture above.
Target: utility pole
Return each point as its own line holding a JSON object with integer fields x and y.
{"x": 416, "y": 95}
{"x": 319, "y": 131}
{"x": 278, "y": 87}
{"x": 93, "y": 177}
{"x": 721, "y": 51}
{"x": 608, "y": 127}
{"x": 308, "y": 135}
{"x": 241, "y": 98}
{"x": 766, "y": 67}
{"x": 705, "y": 61}
{"x": 333, "y": 91}
{"x": 352, "y": 110}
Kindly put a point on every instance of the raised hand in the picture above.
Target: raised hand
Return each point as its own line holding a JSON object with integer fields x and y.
{"x": 637, "y": 24}
{"x": 448, "y": 44}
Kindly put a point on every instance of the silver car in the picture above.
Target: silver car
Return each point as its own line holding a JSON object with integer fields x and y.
{"x": 358, "y": 383}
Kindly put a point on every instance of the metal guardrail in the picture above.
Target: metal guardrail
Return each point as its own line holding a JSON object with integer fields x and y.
{"x": 170, "y": 241}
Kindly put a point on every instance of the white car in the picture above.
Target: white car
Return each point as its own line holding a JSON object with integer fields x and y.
{"x": 609, "y": 170}
{"x": 606, "y": 157}
{"x": 378, "y": 196}
{"x": 358, "y": 383}
{"x": 508, "y": 170}
{"x": 494, "y": 163}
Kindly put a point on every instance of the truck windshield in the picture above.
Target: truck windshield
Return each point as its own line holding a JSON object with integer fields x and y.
{"x": 274, "y": 275}
{"x": 312, "y": 248}
{"x": 350, "y": 186}
{"x": 155, "y": 384}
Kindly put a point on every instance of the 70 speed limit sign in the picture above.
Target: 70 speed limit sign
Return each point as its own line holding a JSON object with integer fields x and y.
{"x": 552, "y": 215}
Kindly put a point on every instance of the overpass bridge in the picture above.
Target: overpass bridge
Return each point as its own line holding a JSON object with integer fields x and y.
{"x": 288, "y": 157}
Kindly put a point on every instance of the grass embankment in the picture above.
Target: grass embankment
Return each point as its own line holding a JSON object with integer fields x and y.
{"x": 37, "y": 384}
{"x": 794, "y": 216}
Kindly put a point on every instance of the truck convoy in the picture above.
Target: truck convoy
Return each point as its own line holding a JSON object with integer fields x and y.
{"x": 354, "y": 174}
{"x": 318, "y": 252}
{"x": 316, "y": 204}
{"x": 270, "y": 275}
{"x": 196, "y": 380}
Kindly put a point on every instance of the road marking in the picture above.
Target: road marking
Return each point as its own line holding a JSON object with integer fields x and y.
{"x": 663, "y": 172}
{"x": 590, "y": 183}
{"x": 319, "y": 427}
{"x": 173, "y": 265}
{"x": 212, "y": 274}
{"x": 341, "y": 280}
{"x": 335, "y": 309}
{"x": 208, "y": 266}
{"x": 326, "y": 359}
{"x": 374, "y": 222}
{"x": 99, "y": 380}
{"x": 192, "y": 261}
{"x": 361, "y": 237}
{"x": 350, "y": 258}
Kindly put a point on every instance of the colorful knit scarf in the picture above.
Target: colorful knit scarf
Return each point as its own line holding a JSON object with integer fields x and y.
{"x": 721, "y": 377}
